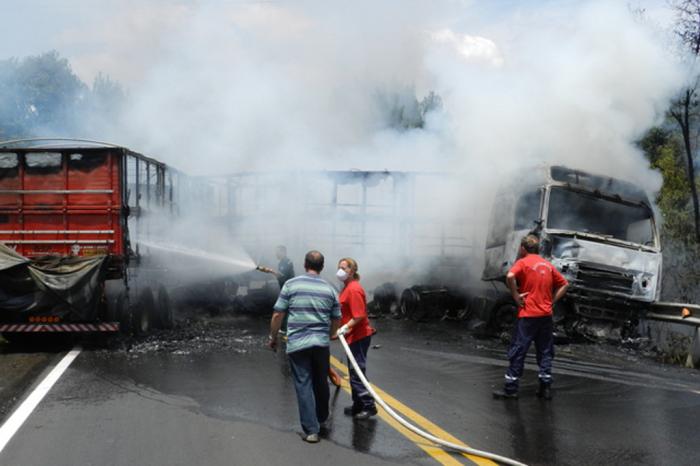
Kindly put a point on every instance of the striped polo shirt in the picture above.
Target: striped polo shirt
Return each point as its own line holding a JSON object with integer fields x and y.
{"x": 311, "y": 303}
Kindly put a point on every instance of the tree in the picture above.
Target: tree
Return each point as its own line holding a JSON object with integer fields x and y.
{"x": 103, "y": 108}
{"x": 681, "y": 266}
{"x": 39, "y": 94}
{"x": 11, "y": 122}
{"x": 684, "y": 110}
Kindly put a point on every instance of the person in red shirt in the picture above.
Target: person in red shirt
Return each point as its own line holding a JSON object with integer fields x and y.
{"x": 536, "y": 285}
{"x": 358, "y": 333}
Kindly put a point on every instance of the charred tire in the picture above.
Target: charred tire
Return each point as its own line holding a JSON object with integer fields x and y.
{"x": 411, "y": 305}
{"x": 142, "y": 313}
{"x": 503, "y": 315}
{"x": 122, "y": 312}
{"x": 164, "y": 309}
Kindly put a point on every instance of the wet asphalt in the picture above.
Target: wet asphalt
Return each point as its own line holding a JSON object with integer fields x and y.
{"x": 218, "y": 397}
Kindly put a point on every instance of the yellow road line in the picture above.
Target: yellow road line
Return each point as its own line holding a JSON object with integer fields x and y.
{"x": 438, "y": 453}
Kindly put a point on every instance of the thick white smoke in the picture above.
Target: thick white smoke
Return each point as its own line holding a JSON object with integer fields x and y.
{"x": 244, "y": 86}
{"x": 220, "y": 87}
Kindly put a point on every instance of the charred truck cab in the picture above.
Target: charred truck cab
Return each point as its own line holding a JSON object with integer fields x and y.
{"x": 599, "y": 231}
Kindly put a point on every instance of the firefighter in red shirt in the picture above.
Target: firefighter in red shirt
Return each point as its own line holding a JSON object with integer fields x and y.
{"x": 358, "y": 333}
{"x": 536, "y": 285}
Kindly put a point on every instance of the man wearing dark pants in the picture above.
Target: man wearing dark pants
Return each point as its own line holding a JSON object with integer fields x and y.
{"x": 536, "y": 285}
{"x": 314, "y": 314}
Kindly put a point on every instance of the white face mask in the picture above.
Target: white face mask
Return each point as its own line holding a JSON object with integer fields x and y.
{"x": 342, "y": 275}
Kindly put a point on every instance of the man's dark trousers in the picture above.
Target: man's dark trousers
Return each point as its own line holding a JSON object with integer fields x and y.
{"x": 310, "y": 373}
{"x": 361, "y": 398}
{"x": 529, "y": 329}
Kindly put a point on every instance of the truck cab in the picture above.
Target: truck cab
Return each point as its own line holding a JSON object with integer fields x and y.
{"x": 599, "y": 231}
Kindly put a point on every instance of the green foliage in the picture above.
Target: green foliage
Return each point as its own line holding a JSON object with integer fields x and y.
{"x": 39, "y": 93}
{"x": 403, "y": 111}
{"x": 41, "y": 96}
{"x": 663, "y": 149}
{"x": 681, "y": 272}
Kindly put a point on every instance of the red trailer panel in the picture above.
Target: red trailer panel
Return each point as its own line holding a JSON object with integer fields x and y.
{"x": 63, "y": 202}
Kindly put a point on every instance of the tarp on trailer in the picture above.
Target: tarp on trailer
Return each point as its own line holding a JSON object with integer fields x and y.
{"x": 66, "y": 287}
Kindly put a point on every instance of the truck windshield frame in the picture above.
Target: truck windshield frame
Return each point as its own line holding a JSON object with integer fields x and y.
{"x": 590, "y": 213}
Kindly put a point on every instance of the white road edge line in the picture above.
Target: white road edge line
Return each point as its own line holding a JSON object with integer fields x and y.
{"x": 14, "y": 422}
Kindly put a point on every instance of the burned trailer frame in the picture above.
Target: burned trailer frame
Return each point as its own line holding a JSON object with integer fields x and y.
{"x": 600, "y": 232}
{"x": 63, "y": 204}
{"x": 388, "y": 220}
{"x": 356, "y": 211}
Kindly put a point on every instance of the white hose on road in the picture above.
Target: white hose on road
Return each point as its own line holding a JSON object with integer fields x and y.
{"x": 414, "y": 429}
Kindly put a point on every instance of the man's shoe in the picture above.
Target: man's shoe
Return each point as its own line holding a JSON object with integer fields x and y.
{"x": 365, "y": 414}
{"x": 504, "y": 395}
{"x": 311, "y": 438}
{"x": 544, "y": 391}
{"x": 350, "y": 411}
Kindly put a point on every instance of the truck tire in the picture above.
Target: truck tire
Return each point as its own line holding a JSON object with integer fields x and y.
{"x": 411, "y": 305}
{"x": 164, "y": 309}
{"x": 503, "y": 314}
{"x": 122, "y": 312}
{"x": 142, "y": 313}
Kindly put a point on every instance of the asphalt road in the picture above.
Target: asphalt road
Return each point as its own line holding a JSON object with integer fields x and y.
{"x": 219, "y": 397}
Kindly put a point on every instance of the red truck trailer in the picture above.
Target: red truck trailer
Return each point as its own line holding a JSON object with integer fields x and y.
{"x": 66, "y": 209}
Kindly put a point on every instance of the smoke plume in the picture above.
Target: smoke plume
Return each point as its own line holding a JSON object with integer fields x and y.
{"x": 477, "y": 89}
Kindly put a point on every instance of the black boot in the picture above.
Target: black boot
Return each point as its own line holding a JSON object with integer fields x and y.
{"x": 544, "y": 391}
{"x": 351, "y": 410}
{"x": 505, "y": 395}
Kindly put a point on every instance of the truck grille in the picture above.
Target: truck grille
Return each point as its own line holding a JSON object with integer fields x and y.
{"x": 603, "y": 279}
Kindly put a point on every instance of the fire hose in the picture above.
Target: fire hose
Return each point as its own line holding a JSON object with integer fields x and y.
{"x": 414, "y": 429}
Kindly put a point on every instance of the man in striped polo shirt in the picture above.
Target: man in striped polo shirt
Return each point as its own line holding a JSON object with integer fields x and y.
{"x": 313, "y": 315}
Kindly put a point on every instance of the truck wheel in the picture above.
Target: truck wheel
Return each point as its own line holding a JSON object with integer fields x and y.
{"x": 503, "y": 315}
{"x": 142, "y": 313}
{"x": 164, "y": 309}
{"x": 122, "y": 312}
{"x": 411, "y": 305}
{"x": 105, "y": 307}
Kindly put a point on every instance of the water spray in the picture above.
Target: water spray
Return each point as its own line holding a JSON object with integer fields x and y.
{"x": 414, "y": 429}
{"x": 246, "y": 264}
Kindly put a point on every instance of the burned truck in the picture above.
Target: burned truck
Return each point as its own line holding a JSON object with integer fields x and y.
{"x": 599, "y": 231}
{"x": 69, "y": 213}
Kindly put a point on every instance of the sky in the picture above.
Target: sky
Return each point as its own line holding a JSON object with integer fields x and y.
{"x": 120, "y": 37}
{"x": 316, "y": 83}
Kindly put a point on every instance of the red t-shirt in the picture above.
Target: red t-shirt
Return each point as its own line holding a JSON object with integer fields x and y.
{"x": 537, "y": 277}
{"x": 353, "y": 303}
